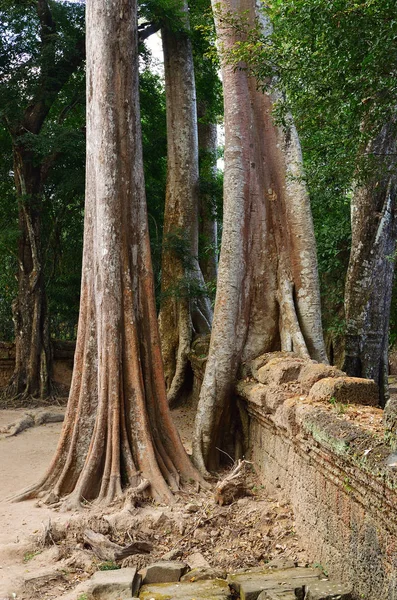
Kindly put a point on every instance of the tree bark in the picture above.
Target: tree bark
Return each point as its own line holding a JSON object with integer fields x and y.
{"x": 369, "y": 279}
{"x": 33, "y": 355}
{"x": 208, "y": 230}
{"x": 118, "y": 429}
{"x": 268, "y": 291}
{"x": 185, "y": 308}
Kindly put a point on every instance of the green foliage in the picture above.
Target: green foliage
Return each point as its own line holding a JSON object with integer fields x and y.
{"x": 166, "y": 13}
{"x": 178, "y": 244}
{"x": 60, "y": 148}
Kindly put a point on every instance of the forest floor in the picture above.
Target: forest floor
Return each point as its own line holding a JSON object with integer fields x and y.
{"x": 42, "y": 551}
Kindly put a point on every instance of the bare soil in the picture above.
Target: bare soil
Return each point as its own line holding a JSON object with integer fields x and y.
{"x": 42, "y": 550}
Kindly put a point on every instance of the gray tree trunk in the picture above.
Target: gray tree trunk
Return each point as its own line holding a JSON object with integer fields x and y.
{"x": 208, "y": 146}
{"x": 268, "y": 291}
{"x": 369, "y": 280}
{"x": 185, "y": 308}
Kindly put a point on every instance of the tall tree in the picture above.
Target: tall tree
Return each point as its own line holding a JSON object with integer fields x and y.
{"x": 185, "y": 307}
{"x": 268, "y": 293}
{"x": 369, "y": 280}
{"x": 118, "y": 430}
{"x": 208, "y": 226}
{"x": 44, "y": 68}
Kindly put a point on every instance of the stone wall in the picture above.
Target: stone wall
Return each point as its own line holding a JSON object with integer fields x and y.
{"x": 334, "y": 472}
{"x": 63, "y": 362}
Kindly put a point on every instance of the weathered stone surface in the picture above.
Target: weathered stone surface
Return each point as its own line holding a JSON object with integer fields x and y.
{"x": 313, "y": 372}
{"x": 214, "y": 589}
{"x": 263, "y": 359}
{"x": 163, "y": 572}
{"x": 280, "y": 370}
{"x": 197, "y": 560}
{"x": 280, "y": 595}
{"x": 281, "y": 563}
{"x": 172, "y": 554}
{"x": 328, "y": 590}
{"x": 250, "y": 584}
{"x": 113, "y": 585}
{"x": 347, "y": 390}
{"x": 204, "y": 573}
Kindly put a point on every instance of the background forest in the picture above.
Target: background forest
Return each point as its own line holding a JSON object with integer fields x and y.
{"x": 334, "y": 64}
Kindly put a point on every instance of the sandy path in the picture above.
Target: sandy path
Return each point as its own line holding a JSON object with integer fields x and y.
{"x": 23, "y": 459}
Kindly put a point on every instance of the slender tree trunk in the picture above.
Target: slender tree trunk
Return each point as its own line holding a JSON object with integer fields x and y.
{"x": 208, "y": 233}
{"x": 33, "y": 364}
{"x": 185, "y": 307}
{"x": 369, "y": 279}
{"x": 118, "y": 428}
{"x": 32, "y": 375}
{"x": 268, "y": 292}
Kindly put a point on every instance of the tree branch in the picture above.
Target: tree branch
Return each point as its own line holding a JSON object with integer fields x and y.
{"x": 146, "y": 30}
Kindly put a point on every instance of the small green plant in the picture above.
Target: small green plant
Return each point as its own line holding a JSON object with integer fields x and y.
{"x": 83, "y": 597}
{"x": 108, "y": 565}
{"x": 320, "y": 566}
{"x": 29, "y": 555}
{"x": 338, "y": 406}
{"x": 346, "y": 485}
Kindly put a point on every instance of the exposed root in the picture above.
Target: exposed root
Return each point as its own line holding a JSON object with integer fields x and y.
{"x": 31, "y": 420}
{"x": 11, "y": 398}
{"x": 104, "y": 549}
{"x": 135, "y": 495}
{"x": 234, "y": 485}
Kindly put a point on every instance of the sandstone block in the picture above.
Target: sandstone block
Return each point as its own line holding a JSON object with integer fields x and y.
{"x": 313, "y": 372}
{"x": 113, "y": 585}
{"x": 263, "y": 359}
{"x": 204, "y": 573}
{"x": 197, "y": 560}
{"x": 163, "y": 572}
{"x": 328, "y": 590}
{"x": 250, "y": 584}
{"x": 280, "y": 370}
{"x": 347, "y": 390}
{"x": 214, "y": 589}
{"x": 280, "y": 595}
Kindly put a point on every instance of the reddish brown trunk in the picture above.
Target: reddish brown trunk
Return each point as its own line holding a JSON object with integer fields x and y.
{"x": 267, "y": 293}
{"x": 117, "y": 428}
{"x": 185, "y": 308}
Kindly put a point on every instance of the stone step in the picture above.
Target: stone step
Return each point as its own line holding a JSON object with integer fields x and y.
{"x": 213, "y": 589}
{"x": 327, "y": 590}
{"x": 250, "y": 584}
{"x": 113, "y": 585}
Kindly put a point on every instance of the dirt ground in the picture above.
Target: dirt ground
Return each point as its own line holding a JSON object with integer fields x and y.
{"x": 43, "y": 553}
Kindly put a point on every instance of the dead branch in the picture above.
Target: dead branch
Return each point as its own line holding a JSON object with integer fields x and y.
{"x": 31, "y": 420}
{"x": 234, "y": 485}
{"x": 104, "y": 549}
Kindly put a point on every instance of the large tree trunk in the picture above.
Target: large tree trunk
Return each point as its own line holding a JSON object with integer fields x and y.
{"x": 208, "y": 230}
{"x": 185, "y": 307}
{"x": 118, "y": 429}
{"x": 369, "y": 279}
{"x": 32, "y": 374}
{"x": 268, "y": 292}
